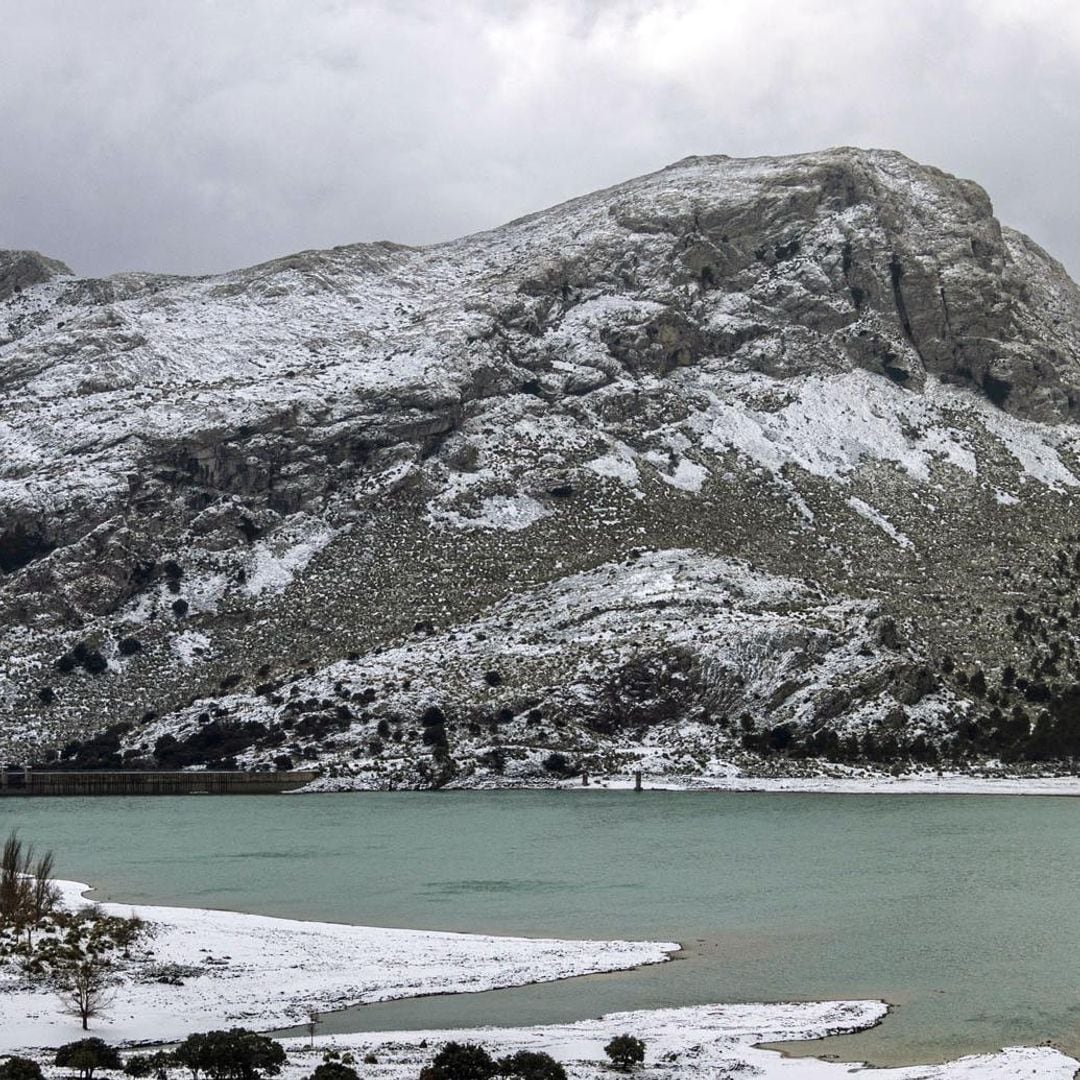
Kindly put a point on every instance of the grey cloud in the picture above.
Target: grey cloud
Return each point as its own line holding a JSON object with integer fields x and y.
{"x": 201, "y": 136}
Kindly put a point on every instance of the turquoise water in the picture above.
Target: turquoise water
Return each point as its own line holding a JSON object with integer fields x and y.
{"x": 963, "y": 911}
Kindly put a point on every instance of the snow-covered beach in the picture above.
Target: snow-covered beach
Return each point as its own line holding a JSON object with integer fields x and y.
{"x": 265, "y": 973}
{"x": 854, "y": 783}
{"x": 708, "y": 1041}
{"x": 261, "y": 972}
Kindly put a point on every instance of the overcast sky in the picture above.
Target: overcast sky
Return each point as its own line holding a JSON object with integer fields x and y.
{"x": 203, "y": 135}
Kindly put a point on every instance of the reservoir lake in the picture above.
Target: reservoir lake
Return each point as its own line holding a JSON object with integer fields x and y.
{"x": 961, "y": 911}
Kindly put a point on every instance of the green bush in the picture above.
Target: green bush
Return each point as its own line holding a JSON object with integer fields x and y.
{"x": 20, "y": 1068}
{"x": 559, "y": 764}
{"x": 625, "y": 1051}
{"x": 86, "y": 1056}
{"x": 334, "y": 1070}
{"x": 460, "y": 1061}
{"x": 156, "y": 1065}
{"x": 236, "y": 1054}
{"x": 531, "y": 1065}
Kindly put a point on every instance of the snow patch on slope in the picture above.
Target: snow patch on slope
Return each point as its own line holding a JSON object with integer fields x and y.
{"x": 511, "y": 513}
{"x": 274, "y": 565}
{"x": 831, "y": 425}
{"x": 867, "y": 511}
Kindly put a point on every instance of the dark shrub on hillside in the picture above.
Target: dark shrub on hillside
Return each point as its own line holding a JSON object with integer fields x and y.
{"x": 493, "y": 678}
{"x": 214, "y": 742}
{"x": 531, "y": 1065}
{"x": 625, "y": 1051}
{"x": 129, "y": 646}
{"x": 156, "y": 1065}
{"x": 494, "y": 759}
{"x": 283, "y": 763}
{"x": 435, "y": 736}
{"x": 1036, "y": 691}
{"x": 236, "y": 1054}
{"x": 46, "y": 695}
{"x": 20, "y": 1068}
{"x": 82, "y": 656}
{"x": 779, "y": 738}
{"x": 334, "y": 1070}
{"x": 95, "y": 663}
{"x": 559, "y": 764}
{"x": 86, "y": 1056}
{"x": 460, "y": 1061}
{"x": 382, "y": 729}
{"x": 433, "y": 716}
{"x": 179, "y": 608}
{"x": 100, "y": 752}
{"x": 319, "y": 725}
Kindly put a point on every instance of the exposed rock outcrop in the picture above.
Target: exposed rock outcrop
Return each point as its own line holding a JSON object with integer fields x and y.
{"x": 21, "y": 269}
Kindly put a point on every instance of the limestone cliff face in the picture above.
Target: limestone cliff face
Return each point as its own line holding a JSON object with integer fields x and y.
{"x": 834, "y": 380}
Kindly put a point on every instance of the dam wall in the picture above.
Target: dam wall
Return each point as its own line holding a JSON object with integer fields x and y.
{"x": 27, "y": 782}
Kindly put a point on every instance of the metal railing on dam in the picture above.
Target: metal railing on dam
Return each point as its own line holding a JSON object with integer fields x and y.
{"x": 27, "y": 782}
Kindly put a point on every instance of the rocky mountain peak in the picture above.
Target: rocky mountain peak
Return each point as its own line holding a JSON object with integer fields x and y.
{"x": 21, "y": 269}
{"x": 845, "y": 257}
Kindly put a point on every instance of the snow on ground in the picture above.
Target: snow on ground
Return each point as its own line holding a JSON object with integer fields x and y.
{"x": 264, "y": 972}
{"x": 876, "y": 784}
{"x": 882, "y": 522}
{"x": 273, "y": 570}
{"x": 829, "y": 425}
{"x": 708, "y": 1041}
{"x": 510, "y": 512}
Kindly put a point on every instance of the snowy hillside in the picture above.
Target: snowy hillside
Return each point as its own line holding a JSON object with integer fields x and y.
{"x": 743, "y": 461}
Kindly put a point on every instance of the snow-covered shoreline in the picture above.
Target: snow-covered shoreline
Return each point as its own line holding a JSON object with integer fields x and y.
{"x": 707, "y": 1042}
{"x": 851, "y": 783}
{"x": 267, "y": 972}
{"x": 927, "y": 784}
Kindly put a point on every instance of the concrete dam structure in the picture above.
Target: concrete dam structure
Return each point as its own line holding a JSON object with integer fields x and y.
{"x": 18, "y": 781}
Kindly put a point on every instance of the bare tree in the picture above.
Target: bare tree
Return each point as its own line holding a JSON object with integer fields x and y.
{"x": 27, "y": 894}
{"x": 45, "y": 893}
{"x": 85, "y": 987}
{"x": 15, "y": 888}
{"x": 42, "y": 895}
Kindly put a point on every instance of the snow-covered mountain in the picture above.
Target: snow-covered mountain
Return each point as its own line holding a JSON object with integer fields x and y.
{"x": 744, "y": 460}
